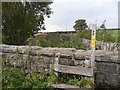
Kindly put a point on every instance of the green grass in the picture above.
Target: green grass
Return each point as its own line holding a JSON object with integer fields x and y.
{"x": 17, "y": 78}
{"x": 76, "y": 80}
{"x": 57, "y": 40}
{"x": 108, "y": 35}
{"x": 101, "y": 35}
{"x": 71, "y": 40}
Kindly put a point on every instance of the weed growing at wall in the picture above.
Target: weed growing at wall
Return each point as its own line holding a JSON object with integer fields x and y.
{"x": 75, "y": 80}
{"x": 14, "y": 77}
{"x": 17, "y": 78}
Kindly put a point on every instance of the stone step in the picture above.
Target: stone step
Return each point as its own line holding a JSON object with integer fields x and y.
{"x": 64, "y": 86}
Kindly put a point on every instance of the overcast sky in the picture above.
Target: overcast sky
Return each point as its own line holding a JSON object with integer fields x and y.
{"x": 94, "y": 11}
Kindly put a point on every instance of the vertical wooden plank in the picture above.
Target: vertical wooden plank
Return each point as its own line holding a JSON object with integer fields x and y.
{"x": 57, "y": 57}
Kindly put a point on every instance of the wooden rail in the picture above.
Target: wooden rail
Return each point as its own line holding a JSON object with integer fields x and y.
{"x": 74, "y": 70}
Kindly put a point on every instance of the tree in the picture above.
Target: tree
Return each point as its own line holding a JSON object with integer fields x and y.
{"x": 103, "y": 25}
{"x": 20, "y": 21}
{"x": 80, "y": 25}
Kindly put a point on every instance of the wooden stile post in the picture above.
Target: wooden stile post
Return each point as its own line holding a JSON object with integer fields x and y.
{"x": 57, "y": 57}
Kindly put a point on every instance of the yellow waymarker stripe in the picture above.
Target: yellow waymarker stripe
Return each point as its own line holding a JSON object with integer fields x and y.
{"x": 92, "y": 46}
{"x": 93, "y": 37}
{"x": 93, "y": 41}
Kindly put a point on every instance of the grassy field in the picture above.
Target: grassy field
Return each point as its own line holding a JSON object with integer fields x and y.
{"x": 108, "y": 35}
{"x": 70, "y": 40}
{"x": 57, "y": 40}
{"x": 101, "y": 35}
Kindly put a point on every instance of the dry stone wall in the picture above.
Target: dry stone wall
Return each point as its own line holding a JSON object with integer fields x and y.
{"x": 100, "y": 45}
{"x": 40, "y": 59}
{"x": 35, "y": 58}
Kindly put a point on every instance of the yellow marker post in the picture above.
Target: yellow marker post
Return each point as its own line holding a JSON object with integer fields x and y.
{"x": 93, "y": 41}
